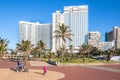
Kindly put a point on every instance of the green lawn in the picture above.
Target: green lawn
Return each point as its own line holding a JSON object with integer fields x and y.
{"x": 87, "y": 61}
{"x": 80, "y": 61}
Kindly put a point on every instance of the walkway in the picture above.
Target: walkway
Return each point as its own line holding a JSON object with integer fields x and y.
{"x": 39, "y": 63}
{"x": 74, "y": 72}
{"x": 102, "y": 68}
{"x": 7, "y": 74}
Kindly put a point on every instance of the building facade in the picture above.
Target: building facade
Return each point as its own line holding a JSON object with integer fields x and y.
{"x": 76, "y": 18}
{"x": 114, "y": 36}
{"x": 117, "y": 40}
{"x": 57, "y": 20}
{"x": 35, "y": 32}
{"x": 106, "y": 45}
{"x": 94, "y": 39}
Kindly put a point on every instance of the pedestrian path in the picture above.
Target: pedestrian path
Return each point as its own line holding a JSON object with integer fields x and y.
{"x": 102, "y": 68}
{"x": 39, "y": 63}
{"x": 33, "y": 74}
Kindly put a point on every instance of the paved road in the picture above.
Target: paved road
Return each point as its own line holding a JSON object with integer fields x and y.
{"x": 78, "y": 72}
{"x": 102, "y": 68}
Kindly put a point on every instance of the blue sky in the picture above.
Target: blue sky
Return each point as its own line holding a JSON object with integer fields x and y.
{"x": 103, "y": 14}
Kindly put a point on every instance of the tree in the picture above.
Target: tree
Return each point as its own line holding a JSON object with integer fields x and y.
{"x": 117, "y": 52}
{"x": 13, "y": 52}
{"x": 25, "y": 47}
{"x": 63, "y": 52}
{"x": 71, "y": 52}
{"x": 61, "y": 34}
{"x": 50, "y": 55}
{"x": 110, "y": 52}
{"x": 96, "y": 52}
{"x": 84, "y": 49}
{"x": 3, "y": 47}
{"x": 40, "y": 47}
{"x": 34, "y": 52}
{"x": 108, "y": 55}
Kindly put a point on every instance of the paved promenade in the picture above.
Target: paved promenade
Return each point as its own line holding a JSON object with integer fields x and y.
{"x": 74, "y": 72}
{"x": 7, "y": 74}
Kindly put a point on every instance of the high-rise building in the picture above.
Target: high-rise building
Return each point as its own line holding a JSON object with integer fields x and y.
{"x": 114, "y": 36}
{"x": 94, "y": 39}
{"x": 35, "y": 32}
{"x": 76, "y": 18}
{"x": 57, "y": 20}
{"x": 110, "y": 36}
{"x": 106, "y": 36}
{"x": 117, "y": 40}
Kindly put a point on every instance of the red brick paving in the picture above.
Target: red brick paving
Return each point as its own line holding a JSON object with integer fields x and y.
{"x": 82, "y": 73}
{"x": 115, "y": 66}
{"x": 75, "y": 72}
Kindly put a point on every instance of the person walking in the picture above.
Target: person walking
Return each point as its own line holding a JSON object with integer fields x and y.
{"x": 44, "y": 70}
{"x": 24, "y": 66}
{"x": 19, "y": 66}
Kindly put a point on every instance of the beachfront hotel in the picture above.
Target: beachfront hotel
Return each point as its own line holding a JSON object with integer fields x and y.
{"x": 35, "y": 32}
{"x": 76, "y": 18}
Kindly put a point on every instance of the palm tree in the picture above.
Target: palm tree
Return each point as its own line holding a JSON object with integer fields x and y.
{"x": 71, "y": 52}
{"x": 34, "y": 52}
{"x": 110, "y": 52}
{"x": 13, "y": 52}
{"x": 63, "y": 50}
{"x": 50, "y": 55}
{"x": 61, "y": 34}
{"x": 40, "y": 48}
{"x": 25, "y": 47}
{"x": 108, "y": 55}
{"x": 3, "y": 47}
{"x": 84, "y": 49}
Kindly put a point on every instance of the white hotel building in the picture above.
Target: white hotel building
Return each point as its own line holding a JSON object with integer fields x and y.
{"x": 94, "y": 39}
{"x": 35, "y": 32}
{"x": 76, "y": 18}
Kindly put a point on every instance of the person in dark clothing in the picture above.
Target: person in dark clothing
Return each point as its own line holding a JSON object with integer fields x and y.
{"x": 19, "y": 65}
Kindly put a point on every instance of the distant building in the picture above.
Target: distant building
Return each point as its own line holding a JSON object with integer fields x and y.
{"x": 117, "y": 41}
{"x": 35, "y": 32}
{"x": 114, "y": 36}
{"x": 110, "y": 36}
{"x": 107, "y": 45}
{"x": 106, "y": 36}
{"x": 94, "y": 39}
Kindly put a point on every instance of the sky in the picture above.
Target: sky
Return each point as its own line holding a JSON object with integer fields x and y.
{"x": 103, "y": 15}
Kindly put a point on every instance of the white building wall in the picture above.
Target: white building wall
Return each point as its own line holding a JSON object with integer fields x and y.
{"x": 106, "y": 45}
{"x": 35, "y": 32}
{"x": 76, "y": 18}
{"x": 94, "y": 39}
{"x": 57, "y": 20}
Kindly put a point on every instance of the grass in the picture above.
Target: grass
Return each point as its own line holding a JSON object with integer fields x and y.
{"x": 80, "y": 61}
{"x": 88, "y": 61}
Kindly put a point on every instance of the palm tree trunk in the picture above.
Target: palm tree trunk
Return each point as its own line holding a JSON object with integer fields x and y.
{"x": 0, "y": 55}
{"x": 83, "y": 57}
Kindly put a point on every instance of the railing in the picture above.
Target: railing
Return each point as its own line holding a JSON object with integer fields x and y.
{"x": 12, "y": 56}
